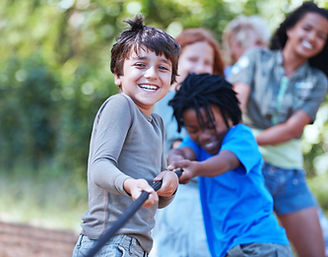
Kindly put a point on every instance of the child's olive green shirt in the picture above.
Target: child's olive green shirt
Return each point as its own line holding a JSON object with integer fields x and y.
{"x": 274, "y": 98}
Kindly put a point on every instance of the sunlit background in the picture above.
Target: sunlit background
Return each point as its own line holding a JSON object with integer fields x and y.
{"x": 54, "y": 74}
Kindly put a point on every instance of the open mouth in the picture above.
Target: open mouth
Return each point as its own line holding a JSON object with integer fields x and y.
{"x": 307, "y": 45}
{"x": 149, "y": 88}
{"x": 211, "y": 146}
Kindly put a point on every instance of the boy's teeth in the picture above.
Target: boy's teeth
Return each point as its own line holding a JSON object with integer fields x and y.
{"x": 148, "y": 87}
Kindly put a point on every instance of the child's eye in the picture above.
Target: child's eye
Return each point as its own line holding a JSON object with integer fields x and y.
{"x": 307, "y": 27}
{"x": 161, "y": 67}
{"x": 322, "y": 36}
{"x": 193, "y": 59}
{"x": 191, "y": 130}
{"x": 139, "y": 64}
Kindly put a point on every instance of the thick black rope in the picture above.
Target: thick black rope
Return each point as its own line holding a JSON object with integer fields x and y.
{"x": 125, "y": 217}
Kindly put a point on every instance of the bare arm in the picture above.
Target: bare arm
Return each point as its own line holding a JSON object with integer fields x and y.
{"x": 281, "y": 133}
{"x": 243, "y": 91}
{"x": 211, "y": 167}
{"x": 176, "y": 154}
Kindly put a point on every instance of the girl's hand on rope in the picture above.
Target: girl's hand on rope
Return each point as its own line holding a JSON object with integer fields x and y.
{"x": 136, "y": 186}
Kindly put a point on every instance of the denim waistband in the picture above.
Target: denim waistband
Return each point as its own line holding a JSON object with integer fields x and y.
{"x": 127, "y": 242}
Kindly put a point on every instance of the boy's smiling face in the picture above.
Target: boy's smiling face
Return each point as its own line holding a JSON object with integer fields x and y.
{"x": 146, "y": 78}
{"x": 209, "y": 138}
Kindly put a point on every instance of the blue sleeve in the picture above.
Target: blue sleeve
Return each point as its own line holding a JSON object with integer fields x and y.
{"x": 241, "y": 141}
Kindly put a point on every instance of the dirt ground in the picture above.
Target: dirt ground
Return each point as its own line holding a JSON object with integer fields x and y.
{"x": 18, "y": 240}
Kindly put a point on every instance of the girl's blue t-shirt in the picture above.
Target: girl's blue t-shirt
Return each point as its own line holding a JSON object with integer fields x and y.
{"x": 237, "y": 208}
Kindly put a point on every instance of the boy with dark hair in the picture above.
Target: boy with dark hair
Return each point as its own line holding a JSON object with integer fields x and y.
{"x": 237, "y": 208}
{"x": 127, "y": 143}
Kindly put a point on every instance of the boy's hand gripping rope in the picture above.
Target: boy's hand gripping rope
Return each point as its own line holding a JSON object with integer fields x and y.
{"x": 125, "y": 217}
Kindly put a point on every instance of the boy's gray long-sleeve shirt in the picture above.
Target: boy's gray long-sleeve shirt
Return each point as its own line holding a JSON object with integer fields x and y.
{"x": 125, "y": 143}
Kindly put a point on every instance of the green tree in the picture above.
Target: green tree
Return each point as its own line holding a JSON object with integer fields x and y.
{"x": 54, "y": 68}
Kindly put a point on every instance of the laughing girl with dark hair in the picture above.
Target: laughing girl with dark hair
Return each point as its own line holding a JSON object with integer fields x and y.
{"x": 280, "y": 91}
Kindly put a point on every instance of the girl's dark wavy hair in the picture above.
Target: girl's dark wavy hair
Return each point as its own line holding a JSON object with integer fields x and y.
{"x": 279, "y": 38}
{"x": 140, "y": 36}
{"x": 201, "y": 92}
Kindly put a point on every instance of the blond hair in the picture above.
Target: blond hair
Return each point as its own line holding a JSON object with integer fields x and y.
{"x": 247, "y": 31}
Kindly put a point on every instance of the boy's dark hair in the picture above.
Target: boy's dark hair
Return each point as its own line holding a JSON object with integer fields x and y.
{"x": 140, "y": 36}
{"x": 279, "y": 38}
{"x": 200, "y": 92}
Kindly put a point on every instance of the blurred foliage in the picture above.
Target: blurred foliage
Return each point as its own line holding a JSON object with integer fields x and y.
{"x": 35, "y": 199}
{"x": 54, "y": 70}
{"x": 27, "y": 111}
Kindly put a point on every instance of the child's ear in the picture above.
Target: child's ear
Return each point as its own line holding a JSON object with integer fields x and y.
{"x": 117, "y": 80}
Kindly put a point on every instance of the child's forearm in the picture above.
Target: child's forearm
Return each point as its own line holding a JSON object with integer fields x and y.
{"x": 217, "y": 164}
{"x": 180, "y": 154}
{"x": 175, "y": 154}
{"x": 210, "y": 168}
{"x": 283, "y": 132}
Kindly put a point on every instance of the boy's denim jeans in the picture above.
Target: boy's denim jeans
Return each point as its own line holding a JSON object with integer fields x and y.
{"x": 118, "y": 246}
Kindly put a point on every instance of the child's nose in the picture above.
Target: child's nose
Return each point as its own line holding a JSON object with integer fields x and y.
{"x": 201, "y": 68}
{"x": 204, "y": 136}
{"x": 312, "y": 36}
{"x": 150, "y": 73}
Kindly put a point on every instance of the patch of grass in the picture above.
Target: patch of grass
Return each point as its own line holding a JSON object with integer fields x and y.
{"x": 56, "y": 198}
{"x": 47, "y": 197}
